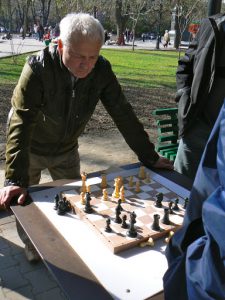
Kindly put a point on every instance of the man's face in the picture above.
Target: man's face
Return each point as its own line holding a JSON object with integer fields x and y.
{"x": 80, "y": 57}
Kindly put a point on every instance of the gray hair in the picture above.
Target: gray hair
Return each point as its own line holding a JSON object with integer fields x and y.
{"x": 74, "y": 26}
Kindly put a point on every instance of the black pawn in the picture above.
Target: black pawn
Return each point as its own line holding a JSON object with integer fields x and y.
{"x": 88, "y": 209}
{"x": 118, "y": 220}
{"x": 171, "y": 207}
{"x": 108, "y": 228}
{"x": 132, "y": 231}
{"x": 155, "y": 224}
{"x": 56, "y": 201}
{"x": 124, "y": 223}
{"x": 166, "y": 219}
{"x": 186, "y": 200}
{"x": 159, "y": 199}
{"x": 176, "y": 207}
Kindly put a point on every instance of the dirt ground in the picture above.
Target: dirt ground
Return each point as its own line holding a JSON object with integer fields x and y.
{"x": 101, "y": 145}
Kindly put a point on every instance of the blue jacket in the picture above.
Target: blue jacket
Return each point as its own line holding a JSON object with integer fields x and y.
{"x": 196, "y": 253}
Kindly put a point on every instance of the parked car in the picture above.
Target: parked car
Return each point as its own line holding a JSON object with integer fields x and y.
{"x": 152, "y": 36}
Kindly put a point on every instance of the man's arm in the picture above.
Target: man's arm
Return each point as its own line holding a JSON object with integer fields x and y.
{"x": 20, "y": 126}
{"x": 128, "y": 124}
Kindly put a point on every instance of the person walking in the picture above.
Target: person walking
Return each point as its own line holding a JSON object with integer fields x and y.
{"x": 166, "y": 39}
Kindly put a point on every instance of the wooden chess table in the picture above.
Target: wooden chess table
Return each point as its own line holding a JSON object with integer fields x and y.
{"x": 65, "y": 264}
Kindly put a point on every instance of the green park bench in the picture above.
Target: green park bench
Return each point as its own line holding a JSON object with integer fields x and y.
{"x": 167, "y": 127}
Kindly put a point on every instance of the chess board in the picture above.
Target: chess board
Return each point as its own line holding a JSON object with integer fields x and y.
{"x": 148, "y": 263}
{"x": 142, "y": 203}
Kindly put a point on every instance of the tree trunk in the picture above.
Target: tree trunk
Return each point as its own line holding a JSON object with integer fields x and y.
{"x": 121, "y": 21}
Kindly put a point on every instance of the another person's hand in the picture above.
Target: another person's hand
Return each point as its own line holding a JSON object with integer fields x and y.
{"x": 9, "y": 192}
{"x": 163, "y": 163}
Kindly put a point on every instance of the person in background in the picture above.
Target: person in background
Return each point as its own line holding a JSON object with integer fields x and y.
{"x": 200, "y": 92}
{"x": 54, "y": 99}
{"x": 166, "y": 39}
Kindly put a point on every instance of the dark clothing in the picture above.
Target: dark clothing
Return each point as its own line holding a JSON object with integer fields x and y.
{"x": 196, "y": 252}
{"x": 49, "y": 113}
{"x": 201, "y": 76}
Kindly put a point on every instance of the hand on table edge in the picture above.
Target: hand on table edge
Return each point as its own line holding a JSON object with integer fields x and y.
{"x": 7, "y": 194}
{"x": 163, "y": 163}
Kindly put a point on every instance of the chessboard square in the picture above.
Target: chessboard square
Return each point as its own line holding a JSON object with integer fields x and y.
{"x": 110, "y": 183}
{"x": 94, "y": 188}
{"x": 135, "y": 179}
{"x": 143, "y": 196}
{"x": 70, "y": 192}
{"x": 128, "y": 193}
{"x": 79, "y": 205}
{"x": 162, "y": 190}
{"x": 102, "y": 206}
{"x": 140, "y": 213}
{"x": 93, "y": 217}
{"x": 145, "y": 219}
{"x": 110, "y": 190}
{"x": 146, "y": 188}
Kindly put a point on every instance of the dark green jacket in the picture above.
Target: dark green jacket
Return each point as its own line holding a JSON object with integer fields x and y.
{"x": 49, "y": 113}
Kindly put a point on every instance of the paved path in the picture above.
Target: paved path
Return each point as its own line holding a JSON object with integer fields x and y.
{"x": 18, "y": 45}
{"x": 20, "y": 280}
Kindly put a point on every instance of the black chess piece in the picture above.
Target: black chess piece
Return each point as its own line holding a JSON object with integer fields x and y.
{"x": 119, "y": 205}
{"x": 88, "y": 209}
{"x": 132, "y": 230}
{"x": 124, "y": 223}
{"x": 166, "y": 219}
{"x": 56, "y": 201}
{"x": 62, "y": 207}
{"x": 155, "y": 224}
{"x": 159, "y": 199}
{"x": 118, "y": 220}
{"x": 176, "y": 207}
{"x": 108, "y": 228}
{"x": 66, "y": 204}
{"x": 186, "y": 200}
{"x": 171, "y": 207}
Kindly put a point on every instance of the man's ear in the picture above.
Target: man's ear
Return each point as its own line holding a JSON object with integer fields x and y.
{"x": 60, "y": 46}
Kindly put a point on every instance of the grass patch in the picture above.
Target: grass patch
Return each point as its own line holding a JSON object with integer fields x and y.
{"x": 10, "y": 68}
{"x": 143, "y": 68}
{"x": 139, "y": 68}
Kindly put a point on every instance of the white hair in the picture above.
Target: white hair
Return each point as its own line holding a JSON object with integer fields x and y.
{"x": 75, "y": 26}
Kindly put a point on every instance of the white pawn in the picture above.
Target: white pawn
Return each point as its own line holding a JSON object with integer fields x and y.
{"x": 147, "y": 179}
{"x": 142, "y": 174}
{"x": 122, "y": 194}
{"x": 104, "y": 195}
{"x": 103, "y": 182}
{"x": 137, "y": 188}
{"x": 131, "y": 183}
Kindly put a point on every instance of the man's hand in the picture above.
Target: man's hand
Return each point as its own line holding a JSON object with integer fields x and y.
{"x": 163, "y": 163}
{"x": 9, "y": 192}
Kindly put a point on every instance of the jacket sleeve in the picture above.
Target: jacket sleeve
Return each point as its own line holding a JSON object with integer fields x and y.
{"x": 184, "y": 74}
{"x": 22, "y": 119}
{"x": 126, "y": 120}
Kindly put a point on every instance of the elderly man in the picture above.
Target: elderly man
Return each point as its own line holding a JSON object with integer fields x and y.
{"x": 54, "y": 99}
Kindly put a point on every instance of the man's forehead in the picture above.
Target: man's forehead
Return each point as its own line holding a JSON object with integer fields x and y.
{"x": 83, "y": 46}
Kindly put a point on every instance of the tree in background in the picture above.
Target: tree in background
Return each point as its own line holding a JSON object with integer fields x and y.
{"x": 187, "y": 11}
